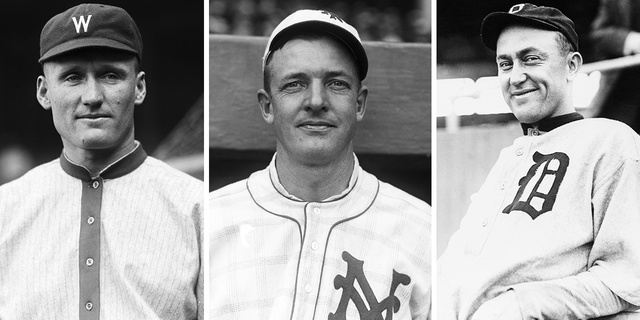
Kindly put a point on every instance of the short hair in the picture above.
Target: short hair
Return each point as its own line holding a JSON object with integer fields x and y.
{"x": 308, "y": 34}
{"x": 564, "y": 46}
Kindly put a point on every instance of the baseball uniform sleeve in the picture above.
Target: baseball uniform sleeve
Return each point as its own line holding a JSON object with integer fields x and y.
{"x": 611, "y": 283}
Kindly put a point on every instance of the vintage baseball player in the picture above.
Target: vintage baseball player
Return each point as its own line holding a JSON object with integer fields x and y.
{"x": 360, "y": 253}
{"x": 105, "y": 231}
{"x": 553, "y": 230}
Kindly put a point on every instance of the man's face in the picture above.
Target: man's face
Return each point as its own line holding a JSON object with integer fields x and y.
{"x": 91, "y": 94}
{"x": 533, "y": 73}
{"x": 314, "y": 99}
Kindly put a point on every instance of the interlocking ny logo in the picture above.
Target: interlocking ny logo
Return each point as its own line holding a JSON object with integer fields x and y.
{"x": 332, "y": 16}
{"x": 537, "y": 196}
{"x": 349, "y": 293}
{"x": 81, "y": 22}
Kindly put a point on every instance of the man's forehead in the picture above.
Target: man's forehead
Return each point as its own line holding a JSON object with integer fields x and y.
{"x": 516, "y": 37}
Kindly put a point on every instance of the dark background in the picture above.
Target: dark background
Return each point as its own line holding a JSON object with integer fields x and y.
{"x": 172, "y": 58}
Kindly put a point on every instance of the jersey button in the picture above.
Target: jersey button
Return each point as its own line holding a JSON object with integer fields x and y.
{"x": 314, "y": 245}
{"x": 89, "y": 262}
{"x": 519, "y": 152}
{"x": 89, "y": 306}
{"x": 96, "y": 184}
{"x": 316, "y": 210}
{"x": 485, "y": 222}
{"x": 307, "y": 288}
{"x": 91, "y": 220}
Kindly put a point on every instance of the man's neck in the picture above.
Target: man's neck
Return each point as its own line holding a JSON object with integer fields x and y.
{"x": 96, "y": 160}
{"x": 315, "y": 182}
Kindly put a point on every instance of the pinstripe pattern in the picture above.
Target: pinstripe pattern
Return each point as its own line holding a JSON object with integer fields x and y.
{"x": 273, "y": 256}
{"x": 150, "y": 268}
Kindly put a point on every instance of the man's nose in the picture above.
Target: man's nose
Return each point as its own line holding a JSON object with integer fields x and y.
{"x": 518, "y": 75}
{"x": 92, "y": 94}
{"x": 317, "y": 97}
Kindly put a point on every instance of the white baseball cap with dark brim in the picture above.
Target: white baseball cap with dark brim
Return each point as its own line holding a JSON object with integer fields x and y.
{"x": 304, "y": 20}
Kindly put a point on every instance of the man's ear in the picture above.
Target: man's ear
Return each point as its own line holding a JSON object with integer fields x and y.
{"x": 574, "y": 63}
{"x": 42, "y": 90}
{"x": 264, "y": 100}
{"x": 141, "y": 88}
{"x": 361, "y": 102}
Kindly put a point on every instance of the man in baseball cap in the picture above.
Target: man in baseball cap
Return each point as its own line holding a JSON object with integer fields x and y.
{"x": 314, "y": 236}
{"x": 553, "y": 231}
{"x": 104, "y": 231}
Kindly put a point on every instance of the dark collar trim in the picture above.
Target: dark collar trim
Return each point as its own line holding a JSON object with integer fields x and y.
{"x": 548, "y": 124}
{"x": 119, "y": 168}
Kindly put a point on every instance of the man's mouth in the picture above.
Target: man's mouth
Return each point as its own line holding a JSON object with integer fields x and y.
{"x": 316, "y": 125}
{"x": 522, "y": 92}
{"x": 92, "y": 116}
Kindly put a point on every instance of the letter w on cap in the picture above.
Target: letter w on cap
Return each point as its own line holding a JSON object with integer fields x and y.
{"x": 81, "y": 21}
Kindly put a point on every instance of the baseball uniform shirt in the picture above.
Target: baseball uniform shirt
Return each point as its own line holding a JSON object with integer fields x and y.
{"x": 557, "y": 221}
{"x": 122, "y": 245}
{"x": 361, "y": 254}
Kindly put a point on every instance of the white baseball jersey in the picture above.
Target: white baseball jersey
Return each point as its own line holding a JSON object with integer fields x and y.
{"x": 362, "y": 254}
{"x": 124, "y": 245}
{"x": 557, "y": 220}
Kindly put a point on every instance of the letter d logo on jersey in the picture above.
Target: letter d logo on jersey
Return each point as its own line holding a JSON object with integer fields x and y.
{"x": 81, "y": 22}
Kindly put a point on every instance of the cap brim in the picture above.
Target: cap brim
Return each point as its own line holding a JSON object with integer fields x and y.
{"x": 353, "y": 43}
{"x": 494, "y": 23}
{"x": 85, "y": 43}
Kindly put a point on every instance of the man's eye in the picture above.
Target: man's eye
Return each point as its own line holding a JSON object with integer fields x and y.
{"x": 111, "y": 76}
{"x": 531, "y": 59}
{"x": 338, "y": 84}
{"x": 293, "y": 85}
{"x": 504, "y": 65}
{"x": 72, "y": 78}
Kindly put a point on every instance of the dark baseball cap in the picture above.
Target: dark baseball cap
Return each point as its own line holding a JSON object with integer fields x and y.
{"x": 546, "y": 18}
{"x": 306, "y": 19}
{"x": 90, "y": 25}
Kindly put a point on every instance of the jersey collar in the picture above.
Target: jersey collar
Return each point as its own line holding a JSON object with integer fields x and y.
{"x": 118, "y": 168}
{"x": 548, "y": 124}
{"x": 275, "y": 181}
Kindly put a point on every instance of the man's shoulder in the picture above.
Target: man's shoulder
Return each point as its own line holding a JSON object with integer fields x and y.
{"x": 609, "y": 136}
{"x": 37, "y": 173}
{"x": 388, "y": 194}
{"x": 229, "y": 190}
{"x": 164, "y": 171}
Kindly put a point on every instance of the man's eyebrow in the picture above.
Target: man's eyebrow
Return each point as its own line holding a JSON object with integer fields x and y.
{"x": 523, "y": 53}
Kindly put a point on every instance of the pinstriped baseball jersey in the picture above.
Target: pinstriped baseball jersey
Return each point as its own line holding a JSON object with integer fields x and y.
{"x": 362, "y": 254}
{"x": 146, "y": 264}
{"x": 557, "y": 221}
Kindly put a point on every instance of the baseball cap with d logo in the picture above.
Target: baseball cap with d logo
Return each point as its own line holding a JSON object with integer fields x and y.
{"x": 90, "y": 25}
{"x": 302, "y": 20}
{"x": 527, "y": 14}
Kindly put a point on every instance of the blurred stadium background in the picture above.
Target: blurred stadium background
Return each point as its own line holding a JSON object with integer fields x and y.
{"x": 170, "y": 123}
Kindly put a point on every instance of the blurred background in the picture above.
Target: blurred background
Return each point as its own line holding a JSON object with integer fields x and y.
{"x": 389, "y": 29}
{"x": 378, "y": 20}
{"x": 473, "y": 121}
{"x": 169, "y": 124}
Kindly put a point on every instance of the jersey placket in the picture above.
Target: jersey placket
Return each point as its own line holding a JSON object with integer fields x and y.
{"x": 311, "y": 262}
{"x": 89, "y": 249}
